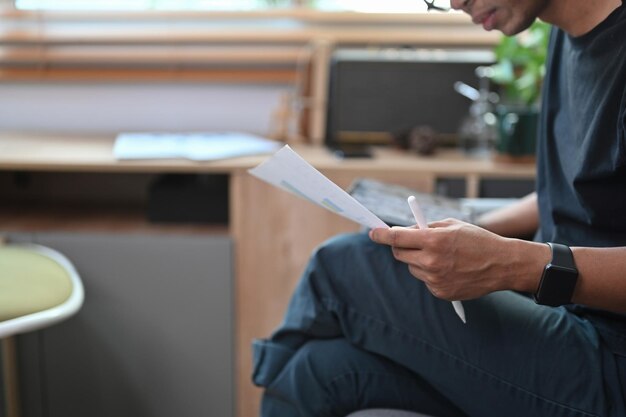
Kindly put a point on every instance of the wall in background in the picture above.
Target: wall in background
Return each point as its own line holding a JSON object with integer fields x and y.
{"x": 109, "y": 107}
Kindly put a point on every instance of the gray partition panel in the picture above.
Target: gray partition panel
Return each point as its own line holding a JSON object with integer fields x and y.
{"x": 154, "y": 337}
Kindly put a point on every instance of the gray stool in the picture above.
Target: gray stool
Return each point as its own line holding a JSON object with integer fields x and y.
{"x": 40, "y": 287}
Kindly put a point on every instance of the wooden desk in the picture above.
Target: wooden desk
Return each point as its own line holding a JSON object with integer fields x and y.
{"x": 273, "y": 231}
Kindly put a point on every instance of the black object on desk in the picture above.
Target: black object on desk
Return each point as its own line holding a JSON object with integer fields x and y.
{"x": 375, "y": 93}
{"x": 184, "y": 198}
{"x": 352, "y": 151}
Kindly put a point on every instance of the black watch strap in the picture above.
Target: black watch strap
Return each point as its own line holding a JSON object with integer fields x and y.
{"x": 559, "y": 277}
{"x": 562, "y": 255}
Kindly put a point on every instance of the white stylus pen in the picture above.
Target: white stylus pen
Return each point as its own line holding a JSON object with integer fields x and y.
{"x": 423, "y": 224}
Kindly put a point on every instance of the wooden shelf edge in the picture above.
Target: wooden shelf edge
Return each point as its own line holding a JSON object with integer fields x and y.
{"x": 37, "y": 217}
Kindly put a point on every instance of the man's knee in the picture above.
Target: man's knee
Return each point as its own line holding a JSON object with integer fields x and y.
{"x": 342, "y": 244}
{"x": 315, "y": 361}
{"x": 334, "y": 377}
{"x": 347, "y": 253}
{"x": 305, "y": 379}
{"x": 322, "y": 361}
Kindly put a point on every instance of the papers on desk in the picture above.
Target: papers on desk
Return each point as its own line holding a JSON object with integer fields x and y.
{"x": 195, "y": 146}
{"x": 289, "y": 171}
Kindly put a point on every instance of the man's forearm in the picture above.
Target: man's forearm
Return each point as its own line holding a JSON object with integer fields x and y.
{"x": 602, "y": 278}
{"x": 601, "y": 273}
{"x": 518, "y": 220}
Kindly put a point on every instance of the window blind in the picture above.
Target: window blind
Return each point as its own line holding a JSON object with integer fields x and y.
{"x": 255, "y": 46}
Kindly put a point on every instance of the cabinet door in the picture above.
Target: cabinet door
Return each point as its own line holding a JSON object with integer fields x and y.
{"x": 154, "y": 337}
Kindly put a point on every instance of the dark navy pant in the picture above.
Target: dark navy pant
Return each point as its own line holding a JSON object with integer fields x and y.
{"x": 361, "y": 332}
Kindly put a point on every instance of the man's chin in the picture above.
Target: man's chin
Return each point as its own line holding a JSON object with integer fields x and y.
{"x": 513, "y": 29}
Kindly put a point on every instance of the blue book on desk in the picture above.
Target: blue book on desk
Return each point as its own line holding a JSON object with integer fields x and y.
{"x": 200, "y": 146}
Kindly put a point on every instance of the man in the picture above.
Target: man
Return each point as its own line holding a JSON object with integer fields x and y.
{"x": 363, "y": 329}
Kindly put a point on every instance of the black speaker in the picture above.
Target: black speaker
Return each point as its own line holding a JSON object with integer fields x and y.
{"x": 375, "y": 94}
{"x": 189, "y": 198}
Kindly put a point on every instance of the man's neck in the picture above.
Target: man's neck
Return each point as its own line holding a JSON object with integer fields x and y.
{"x": 578, "y": 17}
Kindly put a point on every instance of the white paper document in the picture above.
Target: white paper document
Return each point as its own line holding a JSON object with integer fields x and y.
{"x": 200, "y": 146}
{"x": 289, "y": 171}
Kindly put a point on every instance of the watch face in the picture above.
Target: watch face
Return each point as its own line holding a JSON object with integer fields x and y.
{"x": 561, "y": 272}
{"x": 557, "y": 285}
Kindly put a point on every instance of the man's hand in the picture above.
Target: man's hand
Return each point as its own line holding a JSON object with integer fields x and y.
{"x": 460, "y": 261}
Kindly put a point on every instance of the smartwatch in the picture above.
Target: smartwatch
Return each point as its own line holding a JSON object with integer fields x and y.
{"x": 559, "y": 277}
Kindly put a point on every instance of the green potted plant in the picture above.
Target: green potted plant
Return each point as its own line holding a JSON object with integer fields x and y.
{"x": 519, "y": 71}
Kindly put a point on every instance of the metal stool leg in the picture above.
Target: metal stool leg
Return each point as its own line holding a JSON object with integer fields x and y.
{"x": 9, "y": 370}
{"x": 10, "y": 377}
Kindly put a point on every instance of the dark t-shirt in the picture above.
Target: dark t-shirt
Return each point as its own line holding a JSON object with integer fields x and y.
{"x": 581, "y": 160}
{"x": 582, "y": 146}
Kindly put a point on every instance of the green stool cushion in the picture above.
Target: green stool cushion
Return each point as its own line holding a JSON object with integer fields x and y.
{"x": 30, "y": 282}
